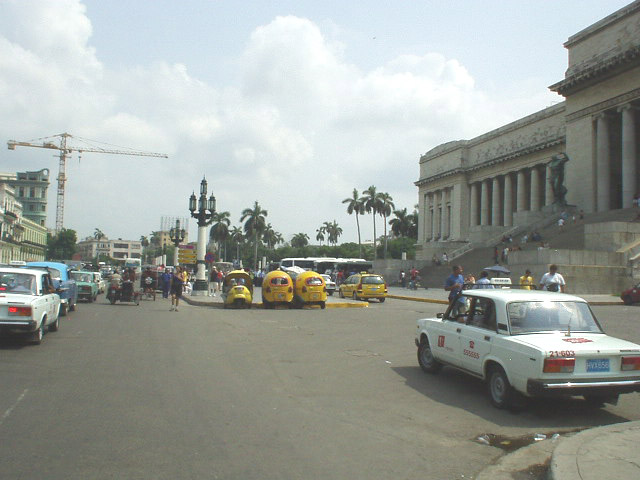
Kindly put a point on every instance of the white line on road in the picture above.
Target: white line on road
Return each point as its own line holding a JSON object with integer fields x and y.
{"x": 6, "y": 414}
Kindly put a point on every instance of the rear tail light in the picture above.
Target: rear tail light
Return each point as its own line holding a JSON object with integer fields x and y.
{"x": 268, "y": 289}
{"x": 630, "y": 363}
{"x": 290, "y": 289}
{"x": 20, "y": 311}
{"x": 304, "y": 289}
{"x": 324, "y": 289}
{"x": 559, "y": 365}
{"x": 359, "y": 287}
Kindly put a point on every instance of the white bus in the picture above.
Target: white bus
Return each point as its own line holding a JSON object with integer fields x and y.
{"x": 328, "y": 264}
{"x": 134, "y": 263}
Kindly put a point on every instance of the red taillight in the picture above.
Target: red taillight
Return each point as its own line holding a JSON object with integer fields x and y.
{"x": 268, "y": 289}
{"x": 304, "y": 289}
{"x": 630, "y": 363}
{"x": 324, "y": 289}
{"x": 290, "y": 289}
{"x": 359, "y": 287}
{"x": 559, "y": 365}
{"x": 20, "y": 311}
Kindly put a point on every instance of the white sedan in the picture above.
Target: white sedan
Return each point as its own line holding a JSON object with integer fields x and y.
{"x": 531, "y": 343}
{"x": 28, "y": 302}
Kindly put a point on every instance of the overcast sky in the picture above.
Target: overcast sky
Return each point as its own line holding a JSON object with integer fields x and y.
{"x": 290, "y": 103}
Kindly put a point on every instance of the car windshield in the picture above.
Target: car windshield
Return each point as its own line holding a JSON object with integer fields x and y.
{"x": 372, "y": 280}
{"x": 21, "y": 283}
{"x": 279, "y": 281}
{"x": 314, "y": 281}
{"x": 82, "y": 277}
{"x": 531, "y": 317}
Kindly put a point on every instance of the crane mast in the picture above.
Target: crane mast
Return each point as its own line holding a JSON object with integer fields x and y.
{"x": 66, "y": 150}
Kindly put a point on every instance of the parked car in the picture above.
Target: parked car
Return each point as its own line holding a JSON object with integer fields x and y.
{"x": 631, "y": 295}
{"x": 87, "y": 287}
{"x": 65, "y": 285}
{"x": 331, "y": 285}
{"x": 277, "y": 288}
{"x": 28, "y": 303}
{"x": 529, "y": 343}
{"x": 364, "y": 286}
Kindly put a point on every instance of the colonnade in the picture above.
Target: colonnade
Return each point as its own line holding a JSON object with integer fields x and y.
{"x": 616, "y": 146}
{"x": 438, "y": 205}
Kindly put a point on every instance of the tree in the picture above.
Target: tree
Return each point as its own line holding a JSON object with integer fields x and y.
{"x": 355, "y": 205}
{"x": 237, "y": 236}
{"x": 320, "y": 234}
{"x": 254, "y": 225}
{"x": 401, "y": 224}
{"x": 62, "y": 245}
{"x": 144, "y": 242}
{"x": 98, "y": 234}
{"x": 271, "y": 237}
{"x": 372, "y": 205}
{"x": 385, "y": 209}
{"x": 413, "y": 218}
{"x": 220, "y": 229}
{"x": 334, "y": 231}
{"x": 300, "y": 240}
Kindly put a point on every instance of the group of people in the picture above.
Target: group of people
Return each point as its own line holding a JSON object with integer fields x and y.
{"x": 174, "y": 282}
{"x": 414, "y": 279}
{"x": 551, "y": 281}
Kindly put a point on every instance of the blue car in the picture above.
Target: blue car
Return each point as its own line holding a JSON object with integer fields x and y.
{"x": 65, "y": 285}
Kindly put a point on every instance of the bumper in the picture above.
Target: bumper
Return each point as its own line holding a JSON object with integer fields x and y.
{"x": 596, "y": 386}
{"x": 18, "y": 326}
{"x": 86, "y": 295}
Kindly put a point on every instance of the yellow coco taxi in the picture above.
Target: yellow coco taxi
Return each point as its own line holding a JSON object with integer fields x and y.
{"x": 277, "y": 288}
{"x": 237, "y": 289}
{"x": 309, "y": 289}
{"x": 364, "y": 286}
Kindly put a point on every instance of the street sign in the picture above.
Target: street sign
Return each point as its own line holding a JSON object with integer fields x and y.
{"x": 186, "y": 256}
{"x": 209, "y": 257}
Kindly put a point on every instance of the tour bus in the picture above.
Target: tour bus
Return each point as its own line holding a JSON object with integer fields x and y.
{"x": 328, "y": 264}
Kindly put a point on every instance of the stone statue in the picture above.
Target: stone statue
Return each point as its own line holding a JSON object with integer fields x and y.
{"x": 557, "y": 178}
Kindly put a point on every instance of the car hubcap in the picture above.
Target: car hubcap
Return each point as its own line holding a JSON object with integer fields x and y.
{"x": 426, "y": 356}
{"x": 497, "y": 387}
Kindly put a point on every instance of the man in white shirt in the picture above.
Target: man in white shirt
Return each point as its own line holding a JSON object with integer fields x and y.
{"x": 483, "y": 281}
{"x": 552, "y": 281}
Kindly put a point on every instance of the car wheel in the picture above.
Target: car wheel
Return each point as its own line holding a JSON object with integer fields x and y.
{"x": 355, "y": 296}
{"x": 55, "y": 325}
{"x": 425, "y": 358}
{"x": 340, "y": 294}
{"x": 266, "y": 305}
{"x": 627, "y": 300}
{"x": 382, "y": 299}
{"x": 501, "y": 392}
{"x": 112, "y": 299}
{"x": 72, "y": 308}
{"x": 63, "y": 309}
{"x": 323, "y": 305}
{"x": 90, "y": 299}
{"x": 38, "y": 335}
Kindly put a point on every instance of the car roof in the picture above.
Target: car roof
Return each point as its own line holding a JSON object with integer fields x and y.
{"x": 32, "y": 271}
{"x": 58, "y": 265}
{"x": 516, "y": 294}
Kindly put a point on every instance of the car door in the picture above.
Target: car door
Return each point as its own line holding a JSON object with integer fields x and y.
{"x": 446, "y": 339}
{"x": 477, "y": 334}
{"x": 348, "y": 285}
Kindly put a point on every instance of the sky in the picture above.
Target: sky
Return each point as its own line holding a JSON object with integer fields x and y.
{"x": 291, "y": 103}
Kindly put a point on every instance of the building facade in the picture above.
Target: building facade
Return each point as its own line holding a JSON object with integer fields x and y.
{"x": 474, "y": 191}
{"x": 31, "y": 191}
{"x": 20, "y": 238}
{"x": 91, "y": 248}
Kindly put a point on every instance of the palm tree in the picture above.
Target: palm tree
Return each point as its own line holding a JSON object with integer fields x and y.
{"x": 254, "y": 225}
{"x": 300, "y": 240}
{"x": 220, "y": 229}
{"x": 386, "y": 207}
{"x": 144, "y": 243}
{"x": 372, "y": 205}
{"x": 320, "y": 234}
{"x": 236, "y": 235}
{"x": 334, "y": 231}
{"x": 355, "y": 205}
{"x": 98, "y": 234}
{"x": 271, "y": 237}
{"x": 413, "y": 228}
{"x": 401, "y": 224}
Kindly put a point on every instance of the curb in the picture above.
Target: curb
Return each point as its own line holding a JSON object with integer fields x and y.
{"x": 199, "y": 303}
{"x": 418, "y": 299}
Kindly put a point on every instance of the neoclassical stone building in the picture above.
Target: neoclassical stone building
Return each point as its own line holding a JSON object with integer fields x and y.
{"x": 474, "y": 191}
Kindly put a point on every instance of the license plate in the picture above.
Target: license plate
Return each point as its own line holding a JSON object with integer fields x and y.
{"x": 315, "y": 296}
{"x": 280, "y": 296}
{"x": 598, "y": 365}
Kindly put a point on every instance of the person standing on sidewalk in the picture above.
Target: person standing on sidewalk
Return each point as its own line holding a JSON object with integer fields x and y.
{"x": 526, "y": 281}
{"x": 552, "y": 281}
{"x": 213, "y": 281}
{"x": 177, "y": 285}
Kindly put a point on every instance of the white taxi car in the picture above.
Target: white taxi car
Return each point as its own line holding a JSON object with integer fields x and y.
{"x": 529, "y": 342}
{"x": 28, "y": 302}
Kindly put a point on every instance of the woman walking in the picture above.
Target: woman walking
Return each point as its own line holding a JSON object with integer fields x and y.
{"x": 177, "y": 284}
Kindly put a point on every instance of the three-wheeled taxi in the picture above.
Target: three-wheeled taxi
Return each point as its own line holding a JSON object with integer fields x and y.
{"x": 237, "y": 289}
{"x": 309, "y": 289}
{"x": 277, "y": 288}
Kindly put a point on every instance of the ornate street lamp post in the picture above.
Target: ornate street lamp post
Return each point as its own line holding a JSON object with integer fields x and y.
{"x": 204, "y": 215}
{"x": 176, "y": 234}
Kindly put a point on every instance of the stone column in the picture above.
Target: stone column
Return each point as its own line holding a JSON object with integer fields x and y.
{"x": 436, "y": 214}
{"x": 629, "y": 180}
{"x": 548, "y": 190}
{"x": 444, "y": 218}
{"x": 484, "y": 202}
{"x": 495, "y": 202}
{"x": 535, "y": 190}
{"x": 473, "y": 207}
{"x": 603, "y": 174}
{"x": 426, "y": 217}
{"x": 521, "y": 191}
{"x": 508, "y": 201}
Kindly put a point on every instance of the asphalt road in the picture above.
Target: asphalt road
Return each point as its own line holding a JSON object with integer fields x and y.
{"x": 126, "y": 392}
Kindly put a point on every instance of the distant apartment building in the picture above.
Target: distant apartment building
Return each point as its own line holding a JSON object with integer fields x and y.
{"x": 31, "y": 191}
{"x": 20, "y": 237}
{"x": 119, "y": 249}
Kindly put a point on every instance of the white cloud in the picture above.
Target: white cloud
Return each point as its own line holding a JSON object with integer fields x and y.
{"x": 301, "y": 130}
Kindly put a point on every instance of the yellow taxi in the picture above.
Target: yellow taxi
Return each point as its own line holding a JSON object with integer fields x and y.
{"x": 364, "y": 286}
{"x": 277, "y": 288}
{"x": 237, "y": 290}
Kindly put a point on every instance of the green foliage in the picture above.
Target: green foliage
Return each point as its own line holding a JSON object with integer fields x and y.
{"x": 62, "y": 245}
{"x": 396, "y": 246}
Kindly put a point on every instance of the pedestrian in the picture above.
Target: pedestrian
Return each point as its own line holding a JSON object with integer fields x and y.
{"x": 213, "y": 280}
{"x": 414, "y": 275}
{"x": 560, "y": 223}
{"x": 505, "y": 254}
{"x": 496, "y": 258}
{"x": 526, "y": 281}
{"x": 445, "y": 259}
{"x": 402, "y": 278}
{"x": 552, "y": 281}
{"x": 177, "y": 285}
{"x": 166, "y": 282}
{"x": 483, "y": 281}
{"x": 454, "y": 283}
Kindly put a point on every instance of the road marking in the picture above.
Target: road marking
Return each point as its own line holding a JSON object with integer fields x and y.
{"x": 6, "y": 414}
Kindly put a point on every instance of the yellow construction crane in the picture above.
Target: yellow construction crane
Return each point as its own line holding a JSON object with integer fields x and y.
{"x": 65, "y": 150}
